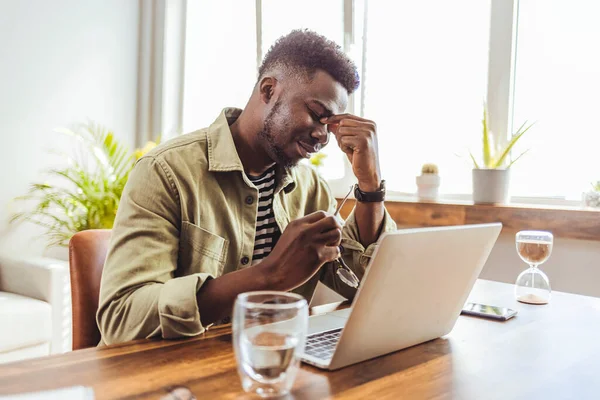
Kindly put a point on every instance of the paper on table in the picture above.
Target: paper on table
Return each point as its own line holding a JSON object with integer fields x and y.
{"x": 69, "y": 393}
{"x": 324, "y": 299}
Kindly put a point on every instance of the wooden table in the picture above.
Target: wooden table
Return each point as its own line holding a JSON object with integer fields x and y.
{"x": 546, "y": 352}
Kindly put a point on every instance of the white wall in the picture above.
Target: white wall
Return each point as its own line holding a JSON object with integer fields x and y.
{"x": 61, "y": 62}
{"x": 574, "y": 265}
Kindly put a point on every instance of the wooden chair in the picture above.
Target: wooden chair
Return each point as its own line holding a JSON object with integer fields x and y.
{"x": 87, "y": 253}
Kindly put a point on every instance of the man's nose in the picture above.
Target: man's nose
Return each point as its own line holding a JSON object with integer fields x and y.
{"x": 321, "y": 134}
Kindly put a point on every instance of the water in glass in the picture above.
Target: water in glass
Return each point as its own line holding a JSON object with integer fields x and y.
{"x": 268, "y": 355}
{"x": 269, "y": 333}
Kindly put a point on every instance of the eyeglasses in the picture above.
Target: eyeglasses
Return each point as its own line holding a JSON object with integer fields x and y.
{"x": 343, "y": 271}
{"x": 346, "y": 274}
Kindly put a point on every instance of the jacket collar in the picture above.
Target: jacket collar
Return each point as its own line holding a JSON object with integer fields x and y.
{"x": 223, "y": 155}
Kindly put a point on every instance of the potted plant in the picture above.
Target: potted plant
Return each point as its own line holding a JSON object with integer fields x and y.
{"x": 491, "y": 176}
{"x": 428, "y": 182}
{"x": 316, "y": 160}
{"x": 591, "y": 198}
{"x": 84, "y": 194}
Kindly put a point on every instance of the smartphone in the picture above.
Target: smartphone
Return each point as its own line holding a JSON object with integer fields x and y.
{"x": 485, "y": 311}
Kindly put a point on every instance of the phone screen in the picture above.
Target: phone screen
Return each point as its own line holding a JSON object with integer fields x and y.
{"x": 486, "y": 310}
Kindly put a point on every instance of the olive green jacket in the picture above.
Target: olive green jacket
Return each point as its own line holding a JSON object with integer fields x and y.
{"x": 188, "y": 213}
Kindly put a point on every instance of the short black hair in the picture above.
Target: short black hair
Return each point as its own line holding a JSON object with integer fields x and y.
{"x": 308, "y": 51}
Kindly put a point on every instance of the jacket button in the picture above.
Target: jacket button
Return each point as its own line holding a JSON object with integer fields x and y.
{"x": 226, "y": 320}
{"x": 249, "y": 200}
{"x": 245, "y": 260}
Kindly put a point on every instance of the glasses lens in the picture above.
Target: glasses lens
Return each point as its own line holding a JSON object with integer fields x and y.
{"x": 347, "y": 277}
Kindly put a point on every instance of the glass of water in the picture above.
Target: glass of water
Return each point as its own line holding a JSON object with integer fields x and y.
{"x": 269, "y": 333}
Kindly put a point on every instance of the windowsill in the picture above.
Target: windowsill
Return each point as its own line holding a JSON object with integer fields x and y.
{"x": 562, "y": 220}
{"x": 515, "y": 202}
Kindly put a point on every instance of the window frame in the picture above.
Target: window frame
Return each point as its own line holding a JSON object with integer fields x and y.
{"x": 504, "y": 15}
{"x": 500, "y": 86}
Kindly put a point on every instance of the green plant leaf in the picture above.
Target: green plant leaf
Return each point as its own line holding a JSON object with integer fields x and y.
{"x": 519, "y": 156}
{"x": 474, "y": 162}
{"x": 487, "y": 157}
{"x": 510, "y": 145}
{"x": 85, "y": 194}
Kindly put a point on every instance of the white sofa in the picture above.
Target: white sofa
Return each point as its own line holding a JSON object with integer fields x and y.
{"x": 35, "y": 308}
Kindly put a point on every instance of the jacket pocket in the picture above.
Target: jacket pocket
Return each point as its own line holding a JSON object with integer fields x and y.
{"x": 201, "y": 250}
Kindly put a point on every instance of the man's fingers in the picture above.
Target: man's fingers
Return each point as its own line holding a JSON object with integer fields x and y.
{"x": 355, "y": 122}
{"x": 314, "y": 217}
{"x": 334, "y": 119}
{"x": 353, "y": 131}
{"x": 344, "y": 144}
{"x": 329, "y": 254}
{"x": 326, "y": 224}
{"x": 349, "y": 143}
{"x": 334, "y": 123}
{"x": 333, "y": 128}
{"x": 331, "y": 238}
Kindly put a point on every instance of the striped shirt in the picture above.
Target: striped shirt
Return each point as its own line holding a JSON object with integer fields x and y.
{"x": 267, "y": 232}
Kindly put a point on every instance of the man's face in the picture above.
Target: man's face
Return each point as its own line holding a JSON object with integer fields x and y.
{"x": 292, "y": 130}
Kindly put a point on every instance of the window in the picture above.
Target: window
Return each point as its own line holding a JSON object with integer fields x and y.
{"x": 220, "y": 59}
{"x": 426, "y": 68}
{"x": 425, "y": 80}
{"x": 557, "y": 82}
{"x": 279, "y": 17}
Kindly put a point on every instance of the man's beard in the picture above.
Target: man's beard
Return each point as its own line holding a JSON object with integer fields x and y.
{"x": 274, "y": 150}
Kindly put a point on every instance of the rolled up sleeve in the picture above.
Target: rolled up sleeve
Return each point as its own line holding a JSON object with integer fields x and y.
{"x": 177, "y": 307}
{"x": 140, "y": 296}
{"x": 351, "y": 241}
{"x": 357, "y": 257}
{"x": 355, "y": 254}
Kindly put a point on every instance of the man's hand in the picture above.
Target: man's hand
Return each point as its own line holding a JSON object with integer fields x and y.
{"x": 305, "y": 245}
{"x": 357, "y": 137}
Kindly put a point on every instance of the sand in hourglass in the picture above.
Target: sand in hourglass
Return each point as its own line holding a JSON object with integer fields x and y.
{"x": 532, "y": 299}
{"x": 534, "y": 252}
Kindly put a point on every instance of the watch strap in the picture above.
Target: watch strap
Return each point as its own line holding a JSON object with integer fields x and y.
{"x": 370, "y": 197}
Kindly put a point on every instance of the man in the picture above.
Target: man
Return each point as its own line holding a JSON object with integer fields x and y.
{"x": 227, "y": 209}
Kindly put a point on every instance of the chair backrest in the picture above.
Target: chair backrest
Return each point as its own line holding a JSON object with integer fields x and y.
{"x": 87, "y": 253}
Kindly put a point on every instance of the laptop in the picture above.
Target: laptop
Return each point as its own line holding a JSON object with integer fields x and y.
{"x": 413, "y": 291}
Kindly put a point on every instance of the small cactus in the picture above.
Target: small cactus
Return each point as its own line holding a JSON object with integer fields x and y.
{"x": 429, "y": 169}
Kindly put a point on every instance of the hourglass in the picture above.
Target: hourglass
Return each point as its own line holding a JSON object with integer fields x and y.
{"x": 533, "y": 286}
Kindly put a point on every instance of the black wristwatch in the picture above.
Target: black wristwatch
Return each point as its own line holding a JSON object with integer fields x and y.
{"x": 370, "y": 197}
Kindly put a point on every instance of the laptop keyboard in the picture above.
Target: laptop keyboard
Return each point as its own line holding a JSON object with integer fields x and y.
{"x": 322, "y": 345}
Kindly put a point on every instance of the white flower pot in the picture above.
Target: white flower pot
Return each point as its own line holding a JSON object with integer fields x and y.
{"x": 591, "y": 199}
{"x": 428, "y": 186}
{"x": 491, "y": 186}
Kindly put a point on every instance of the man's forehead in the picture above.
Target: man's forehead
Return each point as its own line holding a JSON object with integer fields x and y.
{"x": 327, "y": 92}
